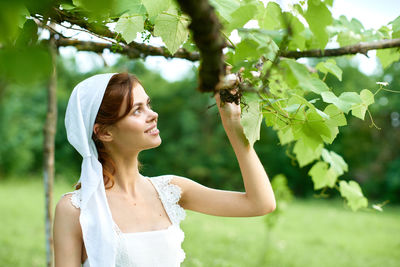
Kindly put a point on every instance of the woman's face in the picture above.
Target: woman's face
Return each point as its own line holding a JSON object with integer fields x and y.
{"x": 137, "y": 131}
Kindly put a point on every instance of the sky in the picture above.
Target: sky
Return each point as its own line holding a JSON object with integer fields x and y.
{"x": 371, "y": 13}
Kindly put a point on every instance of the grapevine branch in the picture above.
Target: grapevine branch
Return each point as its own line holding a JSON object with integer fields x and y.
{"x": 97, "y": 29}
{"x": 362, "y": 48}
{"x": 206, "y": 34}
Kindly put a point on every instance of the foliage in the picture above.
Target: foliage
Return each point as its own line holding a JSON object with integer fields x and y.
{"x": 303, "y": 110}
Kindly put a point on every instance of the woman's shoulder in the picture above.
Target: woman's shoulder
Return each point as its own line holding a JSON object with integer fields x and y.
{"x": 71, "y": 200}
{"x": 67, "y": 213}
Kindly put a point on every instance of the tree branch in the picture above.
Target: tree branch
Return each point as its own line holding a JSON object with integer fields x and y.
{"x": 362, "y": 48}
{"x": 206, "y": 34}
{"x": 127, "y": 50}
{"x": 98, "y": 29}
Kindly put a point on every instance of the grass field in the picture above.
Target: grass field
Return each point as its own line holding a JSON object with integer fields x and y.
{"x": 311, "y": 233}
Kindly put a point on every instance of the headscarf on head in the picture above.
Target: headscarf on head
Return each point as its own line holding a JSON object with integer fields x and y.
{"x": 96, "y": 221}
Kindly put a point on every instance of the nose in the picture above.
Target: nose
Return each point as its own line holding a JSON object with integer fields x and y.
{"x": 153, "y": 115}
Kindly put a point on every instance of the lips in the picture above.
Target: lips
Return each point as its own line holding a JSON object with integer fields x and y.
{"x": 151, "y": 129}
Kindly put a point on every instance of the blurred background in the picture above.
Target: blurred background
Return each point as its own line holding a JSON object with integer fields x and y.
{"x": 194, "y": 142}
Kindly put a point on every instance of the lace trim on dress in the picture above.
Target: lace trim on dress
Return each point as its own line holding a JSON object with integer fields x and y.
{"x": 75, "y": 198}
{"x": 170, "y": 195}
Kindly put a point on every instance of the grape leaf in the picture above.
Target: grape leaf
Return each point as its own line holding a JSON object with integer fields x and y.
{"x": 285, "y": 135}
{"x": 352, "y": 192}
{"x": 335, "y": 161}
{"x": 172, "y": 29}
{"x": 304, "y": 154}
{"x": 331, "y": 67}
{"x": 129, "y": 26}
{"x": 251, "y": 118}
{"x": 344, "y": 102}
{"x": 318, "y": 17}
{"x": 367, "y": 99}
{"x": 297, "y": 40}
{"x": 297, "y": 75}
{"x": 225, "y": 7}
{"x": 155, "y": 7}
{"x": 131, "y": 7}
{"x": 395, "y": 24}
{"x": 322, "y": 176}
{"x": 336, "y": 116}
{"x": 388, "y": 56}
{"x": 270, "y": 17}
{"x": 241, "y": 16}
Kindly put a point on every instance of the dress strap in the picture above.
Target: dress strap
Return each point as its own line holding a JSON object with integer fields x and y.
{"x": 75, "y": 198}
{"x": 170, "y": 195}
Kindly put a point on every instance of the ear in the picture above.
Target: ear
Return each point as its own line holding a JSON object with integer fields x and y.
{"x": 103, "y": 134}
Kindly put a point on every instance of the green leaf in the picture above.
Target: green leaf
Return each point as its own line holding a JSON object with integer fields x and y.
{"x": 247, "y": 49}
{"x": 395, "y": 24}
{"x": 172, "y": 29}
{"x": 298, "y": 39}
{"x": 336, "y": 116}
{"x": 129, "y": 26}
{"x": 131, "y": 7}
{"x": 317, "y": 124}
{"x": 322, "y": 176}
{"x": 241, "y": 16}
{"x": 344, "y": 102}
{"x": 25, "y": 65}
{"x": 298, "y": 76}
{"x": 367, "y": 98}
{"x": 304, "y": 154}
{"x": 270, "y": 17}
{"x": 251, "y": 118}
{"x": 28, "y": 35}
{"x": 318, "y": 17}
{"x": 225, "y": 7}
{"x": 388, "y": 56}
{"x": 96, "y": 8}
{"x": 353, "y": 194}
{"x": 156, "y": 7}
{"x": 266, "y": 45}
{"x": 335, "y": 161}
{"x": 285, "y": 135}
{"x": 331, "y": 67}
{"x": 315, "y": 85}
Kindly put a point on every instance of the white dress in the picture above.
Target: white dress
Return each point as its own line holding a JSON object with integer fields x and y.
{"x": 152, "y": 248}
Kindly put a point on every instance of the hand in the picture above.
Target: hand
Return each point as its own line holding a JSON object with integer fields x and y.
{"x": 230, "y": 117}
{"x": 229, "y": 112}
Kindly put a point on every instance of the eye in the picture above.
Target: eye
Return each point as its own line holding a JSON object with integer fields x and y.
{"x": 136, "y": 111}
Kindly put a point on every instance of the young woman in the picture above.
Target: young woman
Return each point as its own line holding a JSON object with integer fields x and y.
{"x": 118, "y": 217}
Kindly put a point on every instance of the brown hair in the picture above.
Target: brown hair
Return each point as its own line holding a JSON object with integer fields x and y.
{"x": 119, "y": 86}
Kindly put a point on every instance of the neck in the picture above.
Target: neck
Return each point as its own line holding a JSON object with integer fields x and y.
{"x": 127, "y": 177}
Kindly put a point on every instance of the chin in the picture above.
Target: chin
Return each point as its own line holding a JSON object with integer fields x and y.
{"x": 157, "y": 143}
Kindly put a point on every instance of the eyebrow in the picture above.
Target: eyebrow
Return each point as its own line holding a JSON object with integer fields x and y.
{"x": 141, "y": 103}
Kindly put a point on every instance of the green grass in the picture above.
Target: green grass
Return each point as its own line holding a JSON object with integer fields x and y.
{"x": 311, "y": 233}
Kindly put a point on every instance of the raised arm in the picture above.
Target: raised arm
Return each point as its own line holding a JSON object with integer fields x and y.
{"x": 259, "y": 197}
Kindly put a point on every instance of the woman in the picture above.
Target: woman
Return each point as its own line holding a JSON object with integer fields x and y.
{"x": 118, "y": 217}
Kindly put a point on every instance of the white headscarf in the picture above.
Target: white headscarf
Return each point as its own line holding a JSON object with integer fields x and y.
{"x": 99, "y": 236}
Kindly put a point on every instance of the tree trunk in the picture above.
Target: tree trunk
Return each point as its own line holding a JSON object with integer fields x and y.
{"x": 48, "y": 157}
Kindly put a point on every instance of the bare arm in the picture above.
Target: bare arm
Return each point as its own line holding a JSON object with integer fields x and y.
{"x": 67, "y": 234}
{"x": 259, "y": 197}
